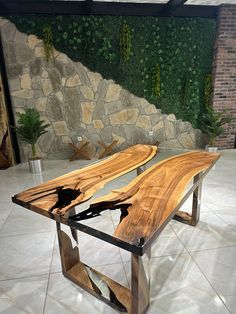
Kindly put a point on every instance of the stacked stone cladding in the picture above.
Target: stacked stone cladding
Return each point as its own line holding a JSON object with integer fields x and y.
{"x": 224, "y": 70}
{"x": 77, "y": 102}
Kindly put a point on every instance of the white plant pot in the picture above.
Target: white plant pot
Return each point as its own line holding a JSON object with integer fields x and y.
{"x": 212, "y": 149}
{"x": 36, "y": 165}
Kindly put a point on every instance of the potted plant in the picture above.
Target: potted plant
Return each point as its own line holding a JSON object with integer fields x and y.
{"x": 4, "y": 162}
{"x": 30, "y": 128}
{"x": 213, "y": 122}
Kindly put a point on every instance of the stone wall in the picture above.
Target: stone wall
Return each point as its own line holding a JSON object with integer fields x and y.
{"x": 224, "y": 93}
{"x": 77, "y": 102}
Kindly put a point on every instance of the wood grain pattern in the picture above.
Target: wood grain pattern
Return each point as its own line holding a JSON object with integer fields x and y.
{"x": 94, "y": 282}
{"x": 106, "y": 150}
{"x": 140, "y": 284}
{"x": 4, "y": 125}
{"x": 61, "y": 194}
{"x": 4, "y": 163}
{"x": 152, "y": 197}
{"x": 193, "y": 218}
{"x": 80, "y": 151}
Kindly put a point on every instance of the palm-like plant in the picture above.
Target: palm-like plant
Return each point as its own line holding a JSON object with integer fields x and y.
{"x": 213, "y": 122}
{"x": 30, "y": 127}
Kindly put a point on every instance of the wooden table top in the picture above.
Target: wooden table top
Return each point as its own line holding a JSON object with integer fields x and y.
{"x": 142, "y": 208}
{"x": 57, "y": 196}
{"x": 151, "y": 199}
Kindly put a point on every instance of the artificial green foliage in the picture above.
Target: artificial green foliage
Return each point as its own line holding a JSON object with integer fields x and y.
{"x": 125, "y": 41}
{"x": 30, "y": 127}
{"x": 156, "y": 81}
{"x": 213, "y": 122}
{"x": 48, "y": 42}
{"x": 208, "y": 90}
{"x": 182, "y": 47}
{"x": 185, "y": 96}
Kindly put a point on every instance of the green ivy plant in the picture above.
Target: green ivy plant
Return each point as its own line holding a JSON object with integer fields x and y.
{"x": 208, "y": 90}
{"x": 128, "y": 49}
{"x": 156, "y": 81}
{"x": 106, "y": 50}
{"x": 125, "y": 41}
{"x": 48, "y": 42}
{"x": 185, "y": 88}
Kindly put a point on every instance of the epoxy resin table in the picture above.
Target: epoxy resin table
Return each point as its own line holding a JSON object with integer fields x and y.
{"x": 145, "y": 207}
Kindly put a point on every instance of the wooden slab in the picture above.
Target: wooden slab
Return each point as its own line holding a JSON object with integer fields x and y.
{"x": 94, "y": 282}
{"x": 59, "y": 195}
{"x": 106, "y": 149}
{"x": 80, "y": 151}
{"x": 152, "y": 198}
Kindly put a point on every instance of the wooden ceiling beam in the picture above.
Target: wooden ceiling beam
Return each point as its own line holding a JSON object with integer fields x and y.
{"x": 172, "y": 5}
{"x": 105, "y": 8}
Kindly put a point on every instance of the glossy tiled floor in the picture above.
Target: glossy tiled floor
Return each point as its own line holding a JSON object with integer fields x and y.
{"x": 192, "y": 269}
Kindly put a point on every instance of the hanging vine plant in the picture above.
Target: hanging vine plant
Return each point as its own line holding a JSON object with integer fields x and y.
{"x": 48, "y": 42}
{"x": 125, "y": 41}
{"x": 185, "y": 95}
{"x": 156, "y": 81}
{"x": 208, "y": 90}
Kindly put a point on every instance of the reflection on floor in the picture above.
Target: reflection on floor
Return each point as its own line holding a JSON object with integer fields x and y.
{"x": 192, "y": 269}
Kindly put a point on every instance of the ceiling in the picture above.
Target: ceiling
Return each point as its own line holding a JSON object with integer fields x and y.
{"x": 211, "y": 2}
{"x": 193, "y": 2}
{"x": 178, "y": 8}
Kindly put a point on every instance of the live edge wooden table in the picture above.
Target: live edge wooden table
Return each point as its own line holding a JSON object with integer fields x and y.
{"x": 146, "y": 205}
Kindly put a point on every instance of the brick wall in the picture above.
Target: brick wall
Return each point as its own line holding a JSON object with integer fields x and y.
{"x": 224, "y": 71}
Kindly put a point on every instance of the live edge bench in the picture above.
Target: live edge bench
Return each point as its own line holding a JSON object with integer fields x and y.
{"x": 146, "y": 205}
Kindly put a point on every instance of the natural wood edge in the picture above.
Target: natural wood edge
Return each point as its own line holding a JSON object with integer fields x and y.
{"x": 161, "y": 187}
{"x": 4, "y": 163}
{"x": 89, "y": 279}
{"x": 183, "y": 217}
{"x": 122, "y": 293}
{"x": 139, "y": 178}
{"x": 106, "y": 150}
{"x": 80, "y": 185}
